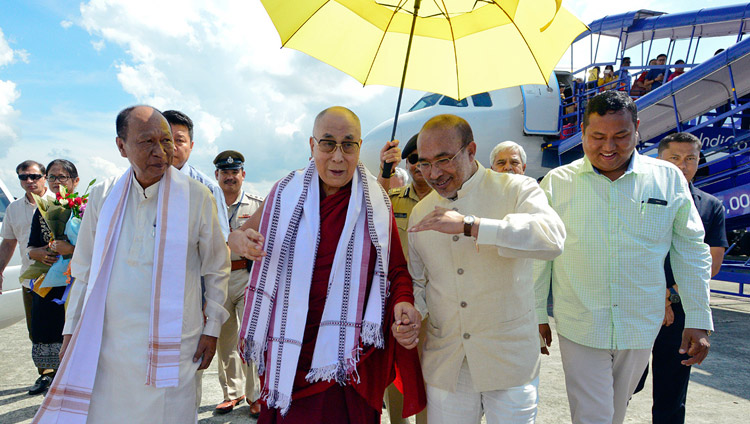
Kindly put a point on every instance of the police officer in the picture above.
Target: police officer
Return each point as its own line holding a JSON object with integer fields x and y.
{"x": 238, "y": 380}
{"x": 403, "y": 200}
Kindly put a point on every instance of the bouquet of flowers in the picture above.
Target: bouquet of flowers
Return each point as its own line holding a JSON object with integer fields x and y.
{"x": 57, "y": 215}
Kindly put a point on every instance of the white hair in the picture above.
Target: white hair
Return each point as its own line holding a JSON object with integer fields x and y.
{"x": 403, "y": 175}
{"x": 508, "y": 145}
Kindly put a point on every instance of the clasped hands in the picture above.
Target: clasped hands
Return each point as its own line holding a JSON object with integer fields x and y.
{"x": 406, "y": 324}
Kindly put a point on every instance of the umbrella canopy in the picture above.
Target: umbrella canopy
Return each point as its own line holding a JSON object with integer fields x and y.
{"x": 459, "y": 47}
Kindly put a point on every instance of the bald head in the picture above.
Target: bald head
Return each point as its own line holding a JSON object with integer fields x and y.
{"x": 448, "y": 122}
{"x": 122, "y": 122}
{"x": 340, "y": 111}
{"x": 145, "y": 139}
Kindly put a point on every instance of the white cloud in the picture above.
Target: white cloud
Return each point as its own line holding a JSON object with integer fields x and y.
{"x": 6, "y": 53}
{"x": 104, "y": 168}
{"x": 66, "y": 23}
{"x": 9, "y": 55}
{"x": 98, "y": 45}
{"x": 8, "y": 115}
{"x": 8, "y": 95}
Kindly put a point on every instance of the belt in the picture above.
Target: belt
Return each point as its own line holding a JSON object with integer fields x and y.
{"x": 240, "y": 264}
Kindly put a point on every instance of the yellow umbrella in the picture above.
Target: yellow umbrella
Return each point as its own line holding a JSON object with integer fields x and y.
{"x": 452, "y": 47}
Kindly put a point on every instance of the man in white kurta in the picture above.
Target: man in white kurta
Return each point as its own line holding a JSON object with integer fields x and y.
{"x": 120, "y": 393}
{"x": 471, "y": 243}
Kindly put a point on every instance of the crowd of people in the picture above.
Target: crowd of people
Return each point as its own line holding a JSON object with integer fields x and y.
{"x": 427, "y": 289}
{"x": 575, "y": 97}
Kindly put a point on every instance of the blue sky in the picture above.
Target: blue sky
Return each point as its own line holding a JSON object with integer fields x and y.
{"x": 67, "y": 68}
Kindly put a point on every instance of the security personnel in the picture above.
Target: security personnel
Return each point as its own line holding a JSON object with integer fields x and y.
{"x": 238, "y": 380}
{"x": 403, "y": 200}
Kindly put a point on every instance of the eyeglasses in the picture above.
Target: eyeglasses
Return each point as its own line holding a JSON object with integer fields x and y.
{"x": 329, "y": 146}
{"x": 412, "y": 158}
{"x": 61, "y": 178}
{"x": 32, "y": 177}
{"x": 442, "y": 164}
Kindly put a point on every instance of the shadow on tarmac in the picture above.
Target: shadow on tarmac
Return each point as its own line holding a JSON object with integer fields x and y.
{"x": 726, "y": 368}
{"x": 19, "y": 415}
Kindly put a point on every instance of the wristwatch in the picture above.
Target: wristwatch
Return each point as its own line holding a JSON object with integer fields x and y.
{"x": 468, "y": 223}
{"x": 674, "y": 297}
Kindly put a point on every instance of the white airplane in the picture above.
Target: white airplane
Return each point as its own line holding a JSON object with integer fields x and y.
{"x": 11, "y": 302}
{"x": 524, "y": 114}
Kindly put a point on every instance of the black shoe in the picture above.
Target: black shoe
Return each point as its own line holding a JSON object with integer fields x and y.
{"x": 41, "y": 384}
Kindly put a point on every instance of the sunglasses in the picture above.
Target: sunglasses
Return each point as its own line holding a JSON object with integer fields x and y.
{"x": 32, "y": 177}
{"x": 413, "y": 158}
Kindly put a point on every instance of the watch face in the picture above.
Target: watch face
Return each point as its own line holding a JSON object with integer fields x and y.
{"x": 674, "y": 298}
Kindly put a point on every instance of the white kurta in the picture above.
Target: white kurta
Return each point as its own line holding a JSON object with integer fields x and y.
{"x": 120, "y": 393}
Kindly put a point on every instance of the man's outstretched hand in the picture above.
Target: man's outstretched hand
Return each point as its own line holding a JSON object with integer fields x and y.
{"x": 442, "y": 220}
{"x": 247, "y": 243}
{"x": 406, "y": 324}
{"x": 206, "y": 350}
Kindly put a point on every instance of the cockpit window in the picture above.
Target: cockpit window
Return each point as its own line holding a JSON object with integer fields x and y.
{"x": 447, "y": 101}
{"x": 426, "y": 101}
{"x": 482, "y": 100}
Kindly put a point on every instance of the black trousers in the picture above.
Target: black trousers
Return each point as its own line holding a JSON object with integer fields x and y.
{"x": 670, "y": 377}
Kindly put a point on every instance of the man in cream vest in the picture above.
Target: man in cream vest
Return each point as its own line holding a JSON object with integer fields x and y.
{"x": 473, "y": 239}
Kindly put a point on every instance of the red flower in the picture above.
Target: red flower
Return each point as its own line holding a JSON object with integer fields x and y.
{"x": 58, "y": 196}
{"x": 78, "y": 201}
{"x": 71, "y": 203}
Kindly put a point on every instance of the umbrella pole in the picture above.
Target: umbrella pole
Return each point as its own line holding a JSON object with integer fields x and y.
{"x": 387, "y": 167}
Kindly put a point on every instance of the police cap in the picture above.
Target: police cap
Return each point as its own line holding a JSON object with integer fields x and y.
{"x": 229, "y": 159}
{"x": 410, "y": 147}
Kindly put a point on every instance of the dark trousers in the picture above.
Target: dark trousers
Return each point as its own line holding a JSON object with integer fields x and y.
{"x": 27, "y": 300}
{"x": 670, "y": 378}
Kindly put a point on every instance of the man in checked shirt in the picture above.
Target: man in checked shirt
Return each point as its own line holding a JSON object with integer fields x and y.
{"x": 623, "y": 213}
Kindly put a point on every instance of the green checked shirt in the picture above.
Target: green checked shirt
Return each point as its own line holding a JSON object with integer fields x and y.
{"x": 608, "y": 285}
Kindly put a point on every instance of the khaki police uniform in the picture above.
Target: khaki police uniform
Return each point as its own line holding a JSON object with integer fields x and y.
{"x": 235, "y": 377}
{"x": 403, "y": 200}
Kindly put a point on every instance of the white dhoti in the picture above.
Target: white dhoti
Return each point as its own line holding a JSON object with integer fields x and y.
{"x": 120, "y": 392}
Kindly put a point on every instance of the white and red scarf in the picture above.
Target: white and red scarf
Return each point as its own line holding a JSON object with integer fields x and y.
{"x": 69, "y": 396}
{"x": 276, "y": 299}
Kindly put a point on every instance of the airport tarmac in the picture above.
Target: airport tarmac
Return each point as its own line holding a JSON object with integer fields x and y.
{"x": 719, "y": 389}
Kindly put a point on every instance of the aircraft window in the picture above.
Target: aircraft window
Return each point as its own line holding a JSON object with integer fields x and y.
{"x": 482, "y": 100}
{"x": 426, "y": 101}
{"x": 447, "y": 101}
{"x": 4, "y": 202}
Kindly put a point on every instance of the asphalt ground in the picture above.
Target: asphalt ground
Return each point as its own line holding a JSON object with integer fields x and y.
{"x": 719, "y": 389}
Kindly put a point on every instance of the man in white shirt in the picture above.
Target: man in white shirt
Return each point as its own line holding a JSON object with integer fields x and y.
{"x": 16, "y": 226}
{"x": 482, "y": 349}
{"x": 135, "y": 333}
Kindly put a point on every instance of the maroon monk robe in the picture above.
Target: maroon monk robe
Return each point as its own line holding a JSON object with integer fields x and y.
{"x": 326, "y": 401}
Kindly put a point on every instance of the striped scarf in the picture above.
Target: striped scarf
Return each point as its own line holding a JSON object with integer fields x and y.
{"x": 69, "y": 396}
{"x": 276, "y": 299}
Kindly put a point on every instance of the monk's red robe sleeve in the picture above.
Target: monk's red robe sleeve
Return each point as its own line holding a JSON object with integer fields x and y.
{"x": 381, "y": 366}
